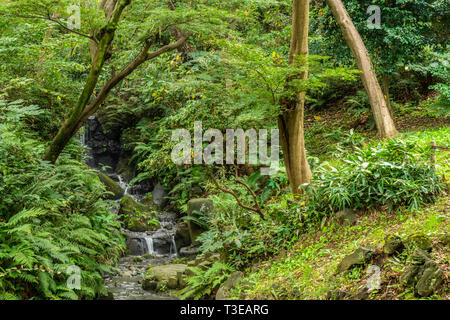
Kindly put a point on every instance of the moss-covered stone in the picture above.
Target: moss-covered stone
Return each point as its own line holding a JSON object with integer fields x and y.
{"x": 111, "y": 186}
{"x": 125, "y": 169}
{"x": 197, "y": 205}
{"x": 360, "y": 256}
{"x": 392, "y": 244}
{"x": 170, "y": 276}
{"x": 346, "y": 217}
{"x": 423, "y": 274}
{"x": 233, "y": 280}
{"x": 421, "y": 241}
{"x": 137, "y": 217}
{"x": 430, "y": 280}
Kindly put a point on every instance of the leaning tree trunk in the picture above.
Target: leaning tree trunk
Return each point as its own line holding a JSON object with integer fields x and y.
{"x": 387, "y": 94}
{"x": 290, "y": 122}
{"x": 71, "y": 124}
{"x": 383, "y": 119}
{"x": 83, "y": 109}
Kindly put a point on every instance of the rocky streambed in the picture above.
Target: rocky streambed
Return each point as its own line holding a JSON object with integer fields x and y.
{"x": 150, "y": 232}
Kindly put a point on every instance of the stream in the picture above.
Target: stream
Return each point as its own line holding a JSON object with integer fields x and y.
{"x": 154, "y": 248}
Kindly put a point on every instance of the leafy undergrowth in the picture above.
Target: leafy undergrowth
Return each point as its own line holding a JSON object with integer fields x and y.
{"x": 57, "y": 235}
{"x": 308, "y": 269}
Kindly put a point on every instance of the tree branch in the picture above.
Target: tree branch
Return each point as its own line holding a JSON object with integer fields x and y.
{"x": 49, "y": 18}
{"x": 257, "y": 209}
{"x": 140, "y": 59}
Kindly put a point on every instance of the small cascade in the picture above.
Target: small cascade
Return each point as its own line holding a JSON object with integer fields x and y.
{"x": 173, "y": 247}
{"x": 149, "y": 241}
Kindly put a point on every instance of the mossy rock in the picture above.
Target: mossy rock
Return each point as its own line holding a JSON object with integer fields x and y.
{"x": 148, "y": 201}
{"x": 423, "y": 274}
{"x": 346, "y": 217}
{"x": 170, "y": 276}
{"x": 137, "y": 217}
{"x": 392, "y": 244}
{"x": 359, "y": 257}
{"x": 233, "y": 280}
{"x": 421, "y": 241}
{"x": 111, "y": 186}
{"x": 125, "y": 169}
{"x": 197, "y": 205}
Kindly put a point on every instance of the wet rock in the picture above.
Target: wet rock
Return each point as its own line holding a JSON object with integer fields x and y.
{"x": 392, "y": 244}
{"x": 197, "y": 205}
{"x": 104, "y": 148}
{"x": 125, "y": 169}
{"x": 360, "y": 256}
{"x": 233, "y": 280}
{"x": 189, "y": 252}
{"x": 169, "y": 276}
{"x": 346, "y": 217}
{"x": 137, "y": 217}
{"x": 421, "y": 241}
{"x": 111, "y": 186}
{"x": 159, "y": 196}
{"x": 136, "y": 246}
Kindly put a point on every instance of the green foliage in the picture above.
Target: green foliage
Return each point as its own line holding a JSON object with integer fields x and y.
{"x": 390, "y": 173}
{"x": 205, "y": 282}
{"x": 51, "y": 218}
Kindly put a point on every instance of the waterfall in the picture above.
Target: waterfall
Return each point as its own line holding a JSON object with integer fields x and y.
{"x": 173, "y": 246}
{"x": 149, "y": 241}
{"x": 123, "y": 184}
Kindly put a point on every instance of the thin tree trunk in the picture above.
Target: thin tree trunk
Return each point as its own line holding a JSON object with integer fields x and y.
{"x": 290, "y": 122}
{"x": 383, "y": 119}
{"x": 385, "y": 81}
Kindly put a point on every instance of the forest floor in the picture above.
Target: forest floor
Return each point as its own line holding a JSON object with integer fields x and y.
{"x": 308, "y": 269}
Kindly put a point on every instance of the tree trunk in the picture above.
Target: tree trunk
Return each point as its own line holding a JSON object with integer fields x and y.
{"x": 385, "y": 82}
{"x": 71, "y": 124}
{"x": 383, "y": 119}
{"x": 290, "y": 122}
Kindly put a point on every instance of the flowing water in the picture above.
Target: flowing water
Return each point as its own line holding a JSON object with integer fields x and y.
{"x": 145, "y": 248}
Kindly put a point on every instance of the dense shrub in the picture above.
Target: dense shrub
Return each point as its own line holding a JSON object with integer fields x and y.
{"x": 391, "y": 173}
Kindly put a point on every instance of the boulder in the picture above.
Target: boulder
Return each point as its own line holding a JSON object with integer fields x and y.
{"x": 170, "y": 276}
{"x": 392, "y": 244}
{"x": 359, "y": 257}
{"x": 137, "y": 217}
{"x": 203, "y": 205}
{"x": 346, "y": 217}
{"x": 421, "y": 241}
{"x": 233, "y": 280}
{"x": 111, "y": 186}
{"x": 136, "y": 246}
